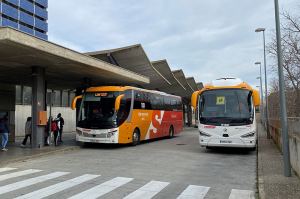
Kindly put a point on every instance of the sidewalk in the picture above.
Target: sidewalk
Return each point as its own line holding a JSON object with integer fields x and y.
{"x": 16, "y": 153}
{"x": 271, "y": 181}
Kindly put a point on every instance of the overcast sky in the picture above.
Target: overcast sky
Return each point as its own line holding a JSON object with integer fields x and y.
{"x": 207, "y": 39}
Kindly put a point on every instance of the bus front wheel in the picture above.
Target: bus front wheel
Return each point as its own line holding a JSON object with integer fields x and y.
{"x": 135, "y": 137}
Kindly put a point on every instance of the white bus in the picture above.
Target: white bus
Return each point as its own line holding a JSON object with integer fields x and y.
{"x": 226, "y": 114}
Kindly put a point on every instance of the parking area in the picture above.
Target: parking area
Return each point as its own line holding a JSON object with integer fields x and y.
{"x": 169, "y": 166}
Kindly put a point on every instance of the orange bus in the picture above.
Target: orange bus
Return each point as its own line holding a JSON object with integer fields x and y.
{"x": 125, "y": 114}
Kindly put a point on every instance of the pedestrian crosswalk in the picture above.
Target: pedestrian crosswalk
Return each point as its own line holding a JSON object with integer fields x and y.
{"x": 148, "y": 191}
{"x": 64, "y": 183}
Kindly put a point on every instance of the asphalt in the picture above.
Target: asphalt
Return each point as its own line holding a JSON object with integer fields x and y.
{"x": 15, "y": 153}
{"x": 272, "y": 184}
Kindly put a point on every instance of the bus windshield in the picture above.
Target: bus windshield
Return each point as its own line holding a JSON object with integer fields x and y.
{"x": 231, "y": 107}
{"x": 97, "y": 110}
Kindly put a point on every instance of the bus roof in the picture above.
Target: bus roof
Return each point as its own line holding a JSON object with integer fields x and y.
{"x": 224, "y": 83}
{"x": 124, "y": 88}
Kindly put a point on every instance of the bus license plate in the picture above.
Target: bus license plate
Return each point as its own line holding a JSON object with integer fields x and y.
{"x": 225, "y": 141}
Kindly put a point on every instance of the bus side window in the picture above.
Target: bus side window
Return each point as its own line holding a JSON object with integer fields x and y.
{"x": 167, "y": 103}
{"x": 147, "y": 101}
{"x": 179, "y": 105}
{"x": 157, "y": 102}
{"x": 174, "y": 104}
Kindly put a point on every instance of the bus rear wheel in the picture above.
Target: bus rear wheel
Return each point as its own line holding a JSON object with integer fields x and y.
{"x": 171, "y": 132}
{"x": 135, "y": 137}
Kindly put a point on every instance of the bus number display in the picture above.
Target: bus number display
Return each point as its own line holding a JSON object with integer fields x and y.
{"x": 100, "y": 94}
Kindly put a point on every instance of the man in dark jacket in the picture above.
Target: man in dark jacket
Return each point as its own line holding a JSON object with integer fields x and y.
{"x": 60, "y": 124}
{"x": 4, "y": 131}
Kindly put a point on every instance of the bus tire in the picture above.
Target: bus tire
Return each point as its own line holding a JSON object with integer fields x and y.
{"x": 135, "y": 137}
{"x": 171, "y": 132}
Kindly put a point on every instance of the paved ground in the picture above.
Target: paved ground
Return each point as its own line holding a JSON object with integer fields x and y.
{"x": 272, "y": 183}
{"x": 164, "y": 169}
{"x": 16, "y": 153}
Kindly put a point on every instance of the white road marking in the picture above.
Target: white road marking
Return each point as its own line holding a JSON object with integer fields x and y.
{"x": 29, "y": 182}
{"x": 238, "y": 194}
{"x": 193, "y": 192}
{"x": 6, "y": 169}
{"x": 18, "y": 174}
{"x": 148, "y": 190}
{"x": 102, "y": 189}
{"x": 48, "y": 191}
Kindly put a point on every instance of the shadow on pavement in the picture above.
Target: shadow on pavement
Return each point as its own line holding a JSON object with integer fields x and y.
{"x": 226, "y": 150}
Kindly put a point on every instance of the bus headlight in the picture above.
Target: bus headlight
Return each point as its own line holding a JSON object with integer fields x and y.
{"x": 110, "y": 134}
{"x": 78, "y": 132}
{"x": 248, "y": 135}
{"x": 204, "y": 134}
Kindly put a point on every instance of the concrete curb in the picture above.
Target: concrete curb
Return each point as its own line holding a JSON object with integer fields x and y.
{"x": 42, "y": 154}
{"x": 260, "y": 180}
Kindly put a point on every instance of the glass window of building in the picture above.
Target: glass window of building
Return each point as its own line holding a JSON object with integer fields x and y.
{"x": 18, "y": 94}
{"x": 27, "y": 95}
{"x": 65, "y": 98}
{"x": 57, "y": 99}
{"x": 72, "y": 95}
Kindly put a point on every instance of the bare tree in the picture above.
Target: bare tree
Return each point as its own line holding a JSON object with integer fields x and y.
{"x": 291, "y": 59}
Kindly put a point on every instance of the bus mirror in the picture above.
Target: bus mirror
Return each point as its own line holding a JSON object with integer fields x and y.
{"x": 256, "y": 98}
{"x": 194, "y": 99}
{"x": 118, "y": 102}
{"x": 73, "y": 106}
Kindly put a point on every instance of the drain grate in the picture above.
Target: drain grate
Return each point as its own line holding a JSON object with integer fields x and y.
{"x": 180, "y": 144}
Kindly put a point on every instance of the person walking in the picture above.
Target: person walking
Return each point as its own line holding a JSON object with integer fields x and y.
{"x": 4, "y": 131}
{"x": 28, "y": 131}
{"x": 60, "y": 124}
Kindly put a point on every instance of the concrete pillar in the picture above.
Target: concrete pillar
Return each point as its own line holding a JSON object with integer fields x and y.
{"x": 38, "y": 104}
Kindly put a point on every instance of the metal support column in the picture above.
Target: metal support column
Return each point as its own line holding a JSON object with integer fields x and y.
{"x": 38, "y": 104}
{"x": 283, "y": 113}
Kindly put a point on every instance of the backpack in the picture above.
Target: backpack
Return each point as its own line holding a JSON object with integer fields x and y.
{"x": 54, "y": 126}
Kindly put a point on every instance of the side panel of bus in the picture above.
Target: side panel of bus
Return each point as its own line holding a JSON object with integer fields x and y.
{"x": 150, "y": 123}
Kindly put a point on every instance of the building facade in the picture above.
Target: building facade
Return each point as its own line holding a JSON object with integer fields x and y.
{"x": 29, "y": 16}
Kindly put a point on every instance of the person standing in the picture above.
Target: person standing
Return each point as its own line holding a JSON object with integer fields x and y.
{"x": 4, "y": 131}
{"x": 60, "y": 125}
{"x": 28, "y": 131}
{"x": 54, "y": 129}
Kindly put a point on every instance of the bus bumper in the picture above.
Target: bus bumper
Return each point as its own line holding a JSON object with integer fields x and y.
{"x": 107, "y": 138}
{"x": 227, "y": 142}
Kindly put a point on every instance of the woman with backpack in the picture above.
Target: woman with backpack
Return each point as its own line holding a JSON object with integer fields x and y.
{"x": 4, "y": 131}
{"x": 54, "y": 129}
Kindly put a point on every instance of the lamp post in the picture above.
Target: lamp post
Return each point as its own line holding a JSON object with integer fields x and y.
{"x": 283, "y": 115}
{"x": 266, "y": 81}
{"x": 261, "y": 91}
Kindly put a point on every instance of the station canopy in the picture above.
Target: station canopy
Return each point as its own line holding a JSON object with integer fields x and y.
{"x": 191, "y": 81}
{"x": 134, "y": 58}
{"x": 176, "y": 88}
{"x": 181, "y": 78}
{"x": 65, "y": 68}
